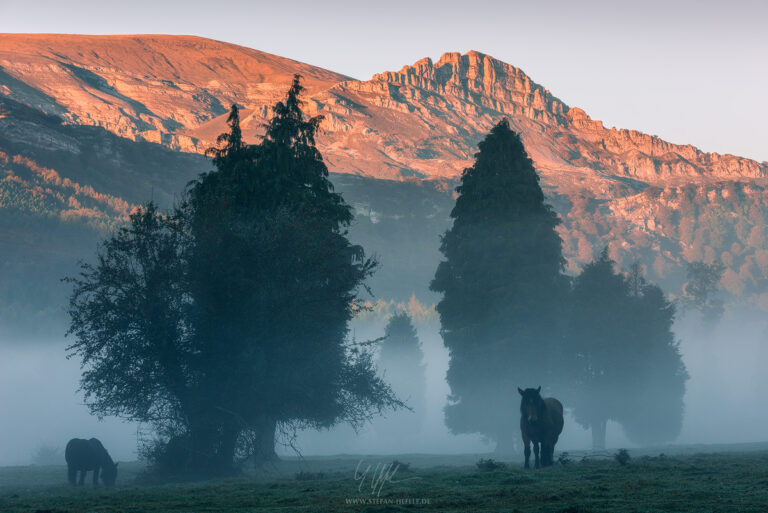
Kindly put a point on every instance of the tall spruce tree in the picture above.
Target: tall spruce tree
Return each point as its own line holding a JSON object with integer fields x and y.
{"x": 503, "y": 290}
{"x": 401, "y": 364}
{"x": 227, "y": 320}
{"x": 277, "y": 281}
{"x": 627, "y": 367}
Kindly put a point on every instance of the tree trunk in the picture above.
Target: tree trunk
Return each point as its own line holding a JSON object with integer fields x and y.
{"x": 212, "y": 449}
{"x": 226, "y": 450}
{"x": 264, "y": 442}
{"x": 201, "y": 450}
{"x": 598, "y": 435}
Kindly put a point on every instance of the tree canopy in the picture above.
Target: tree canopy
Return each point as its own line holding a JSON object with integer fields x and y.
{"x": 227, "y": 319}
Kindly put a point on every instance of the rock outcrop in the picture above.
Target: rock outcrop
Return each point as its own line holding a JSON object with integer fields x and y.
{"x": 426, "y": 120}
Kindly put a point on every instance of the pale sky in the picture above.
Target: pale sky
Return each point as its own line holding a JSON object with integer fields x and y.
{"x": 689, "y": 71}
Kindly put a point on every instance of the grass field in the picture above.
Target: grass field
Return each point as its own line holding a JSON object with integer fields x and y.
{"x": 685, "y": 481}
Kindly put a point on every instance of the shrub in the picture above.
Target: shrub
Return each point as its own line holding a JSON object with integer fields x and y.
{"x": 622, "y": 457}
{"x": 48, "y": 455}
{"x": 490, "y": 465}
{"x": 309, "y": 476}
{"x": 400, "y": 466}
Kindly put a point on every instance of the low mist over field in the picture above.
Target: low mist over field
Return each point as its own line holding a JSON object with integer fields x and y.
{"x": 727, "y": 382}
{"x": 42, "y": 408}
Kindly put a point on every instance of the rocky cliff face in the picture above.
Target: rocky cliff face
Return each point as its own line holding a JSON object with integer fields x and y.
{"x": 427, "y": 118}
{"x": 424, "y": 120}
{"x": 643, "y": 197}
{"x": 155, "y": 88}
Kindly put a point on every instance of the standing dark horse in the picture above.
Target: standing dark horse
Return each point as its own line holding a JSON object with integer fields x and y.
{"x": 85, "y": 455}
{"x": 541, "y": 422}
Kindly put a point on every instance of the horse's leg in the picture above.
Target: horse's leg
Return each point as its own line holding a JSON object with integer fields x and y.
{"x": 527, "y": 451}
{"x": 536, "y": 454}
{"x": 551, "y": 454}
{"x": 544, "y": 451}
{"x": 82, "y": 478}
{"x": 526, "y": 448}
{"x": 552, "y": 449}
{"x": 96, "y": 476}
{"x": 72, "y": 475}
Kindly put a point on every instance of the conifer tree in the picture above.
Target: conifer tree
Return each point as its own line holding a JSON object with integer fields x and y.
{"x": 227, "y": 320}
{"x": 627, "y": 366}
{"x": 400, "y": 363}
{"x": 599, "y": 343}
{"x": 654, "y": 413}
{"x": 277, "y": 281}
{"x": 503, "y": 290}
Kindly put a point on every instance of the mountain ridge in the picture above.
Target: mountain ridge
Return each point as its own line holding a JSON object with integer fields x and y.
{"x": 482, "y": 89}
{"x": 459, "y": 96}
{"x": 136, "y": 120}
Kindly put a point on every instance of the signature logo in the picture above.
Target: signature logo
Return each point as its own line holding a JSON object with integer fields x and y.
{"x": 377, "y": 476}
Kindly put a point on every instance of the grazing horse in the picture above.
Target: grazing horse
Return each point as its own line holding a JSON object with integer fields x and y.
{"x": 541, "y": 422}
{"x": 84, "y": 455}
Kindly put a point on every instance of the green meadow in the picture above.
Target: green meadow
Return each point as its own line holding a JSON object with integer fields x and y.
{"x": 691, "y": 480}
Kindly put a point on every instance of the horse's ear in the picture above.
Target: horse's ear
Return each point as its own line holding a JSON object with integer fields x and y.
{"x": 519, "y": 390}
{"x": 538, "y": 389}
{"x": 116, "y": 464}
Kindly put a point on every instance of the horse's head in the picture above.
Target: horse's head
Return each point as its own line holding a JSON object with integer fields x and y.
{"x": 109, "y": 474}
{"x": 532, "y": 405}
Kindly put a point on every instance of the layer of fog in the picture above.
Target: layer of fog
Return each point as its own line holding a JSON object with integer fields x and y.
{"x": 387, "y": 435}
{"x": 40, "y": 405}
